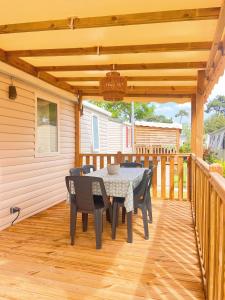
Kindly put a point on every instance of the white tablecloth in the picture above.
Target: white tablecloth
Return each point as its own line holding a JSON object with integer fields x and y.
{"x": 121, "y": 184}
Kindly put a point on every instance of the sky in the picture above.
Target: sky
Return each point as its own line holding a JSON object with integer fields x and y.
{"x": 170, "y": 109}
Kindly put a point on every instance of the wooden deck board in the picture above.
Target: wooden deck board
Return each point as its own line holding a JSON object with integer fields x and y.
{"x": 37, "y": 261}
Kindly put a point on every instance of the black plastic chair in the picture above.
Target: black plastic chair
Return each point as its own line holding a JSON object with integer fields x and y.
{"x": 131, "y": 165}
{"x": 86, "y": 202}
{"x": 88, "y": 169}
{"x": 142, "y": 191}
{"x": 76, "y": 171}
{"x": 142, "y": 200}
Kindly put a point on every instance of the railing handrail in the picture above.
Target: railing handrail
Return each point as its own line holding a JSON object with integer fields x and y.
{"x": 137, "y": 154}
{"x": 208, "y": 208}
{"x": 218, "y": 182}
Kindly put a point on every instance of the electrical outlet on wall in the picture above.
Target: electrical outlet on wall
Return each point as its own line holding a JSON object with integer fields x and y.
{"x": 14, "y": 210}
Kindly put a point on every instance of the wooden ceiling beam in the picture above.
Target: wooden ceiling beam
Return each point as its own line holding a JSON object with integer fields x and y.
{"x": 172, "y": 90}
{"x": 133, "y": 78}
{"x": 139, "y": 66}
{"x": 31, "y": 70}
{"x": 217, "y": 45}
{"x": 143, "y": 95}
{"x": 169, "y": 47}
{"x": 114, "y": 20}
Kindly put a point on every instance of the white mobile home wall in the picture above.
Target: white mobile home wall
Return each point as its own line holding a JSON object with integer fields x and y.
{"x": 30, "y": 182}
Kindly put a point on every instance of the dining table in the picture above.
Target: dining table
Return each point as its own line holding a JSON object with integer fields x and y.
{"x": 121, "y": 184}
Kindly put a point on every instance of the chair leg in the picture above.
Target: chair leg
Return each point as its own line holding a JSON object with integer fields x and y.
{"x": 145, "y": 221}
{"x": 73, "y": 220}
{"x": 114, "y": 220}
{"x": 123, "y": 214}
{"x": 149, "y": 208}
{"x": 110, "y": 213}
{"x": 98, "y": 228}
{"x": 85, "y": 221}
{"x": 149, "y": 203}
{"x": 129, "y": 227}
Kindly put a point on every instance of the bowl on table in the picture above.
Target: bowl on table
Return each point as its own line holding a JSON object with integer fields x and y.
{"x": 113, "y": 169}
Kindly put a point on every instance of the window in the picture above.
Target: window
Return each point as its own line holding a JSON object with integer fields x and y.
{"x": 47, "y": 127}
{"x": 95, "y": 133}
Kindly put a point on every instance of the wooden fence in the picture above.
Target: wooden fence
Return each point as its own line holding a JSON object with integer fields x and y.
{"x": 171, "y": 176}
{"x": 208, "y": 207}
{"x": 154, "y": 149}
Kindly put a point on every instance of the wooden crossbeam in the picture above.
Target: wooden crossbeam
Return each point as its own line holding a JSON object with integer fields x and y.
{"x": 143, "y": 95}
{"x": 133, "y": 78}
{"x": 169, "y": 47}
{"x": 114, "y": 20}
{"x": 139, "y": 66}
{"x": 216, "y": 45}
{"x": 31, "y": 70}
{"x": 162, "y": 90}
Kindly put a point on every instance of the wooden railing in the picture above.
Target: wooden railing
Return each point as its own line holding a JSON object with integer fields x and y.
{"x": 171, "y": 176}
{"x": 208, "y": 207}
{"x": 155, "y": 149}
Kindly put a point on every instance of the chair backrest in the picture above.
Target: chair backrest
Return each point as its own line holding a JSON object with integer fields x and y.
{"x": 142, "y": 191}
{"x": 83, "y": 188}
{"x": 131, "y": 165}
{"x": 148, "y": 182}
{"x": 88, "y": 169}
{"x": 75, "y": 171}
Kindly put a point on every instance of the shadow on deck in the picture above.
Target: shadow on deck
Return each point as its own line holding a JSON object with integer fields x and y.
{"x": 37, "y": 261}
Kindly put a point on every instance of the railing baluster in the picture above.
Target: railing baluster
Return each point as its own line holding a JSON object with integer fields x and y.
{"x": 172, "y": 177}
{"x": 180, "y": 178}
{"x": 154, "y": 178}
{"x": 163, "y": 177}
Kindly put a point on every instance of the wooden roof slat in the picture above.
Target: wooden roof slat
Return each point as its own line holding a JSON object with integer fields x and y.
{"x": 139, "y": 66}
{"x": 114, "y": 20}
{"x": 133, "y": 78}
{"x": 30, "y": 69}
{"x": 147, "y": 89}
{"x": 138, "y": 95}
{"x": 216, "y": 45}
{"x": 169, "y": 47}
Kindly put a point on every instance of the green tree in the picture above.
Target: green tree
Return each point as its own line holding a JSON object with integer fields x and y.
{"x": 186, "y": 131}
{"x": 181, "y": 113}
{"x": 122, "y": 110}
{"x": 159, "y": 118}
{"x": 214, "y": 122}
{"x": 216, "y": 105}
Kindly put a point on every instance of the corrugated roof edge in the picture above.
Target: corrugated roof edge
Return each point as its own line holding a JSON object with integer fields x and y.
{"x": 97, "y": 108}
{"x": 217, "y": 131}
{"x": 158, "y": 124}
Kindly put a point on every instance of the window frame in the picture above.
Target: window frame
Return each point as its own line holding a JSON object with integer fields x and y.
{"x": 92, "y": 131}
{"x": 57, "y": 102}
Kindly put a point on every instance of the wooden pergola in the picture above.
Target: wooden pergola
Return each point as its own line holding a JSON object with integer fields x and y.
{"x": 168, "y": 51}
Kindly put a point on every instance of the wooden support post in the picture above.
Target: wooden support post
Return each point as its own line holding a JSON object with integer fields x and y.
{"x": 200, "y": 114}
{"x": 193, "y": 124}
{"x": 77, "y": 135}
{"x": 197, "y": 117}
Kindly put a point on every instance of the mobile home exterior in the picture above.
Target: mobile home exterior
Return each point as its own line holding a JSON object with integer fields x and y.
{"x": 217, "y": 142}
{"x": 37, "y": 148}
{"x": 100, "y": 133}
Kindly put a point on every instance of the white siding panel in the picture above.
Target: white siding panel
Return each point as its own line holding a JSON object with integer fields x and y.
{"x": 30, "y": 182}
{"x": 86, "y": 131}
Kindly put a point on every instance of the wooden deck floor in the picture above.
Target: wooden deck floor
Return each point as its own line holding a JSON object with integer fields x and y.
{"x": 37, "y": 262}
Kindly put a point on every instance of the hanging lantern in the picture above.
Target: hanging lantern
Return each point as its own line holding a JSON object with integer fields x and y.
{"x": 113, "y": 86}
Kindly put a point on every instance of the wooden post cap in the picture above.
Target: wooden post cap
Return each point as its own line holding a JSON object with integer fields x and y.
{"x": 216, "y": 168}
